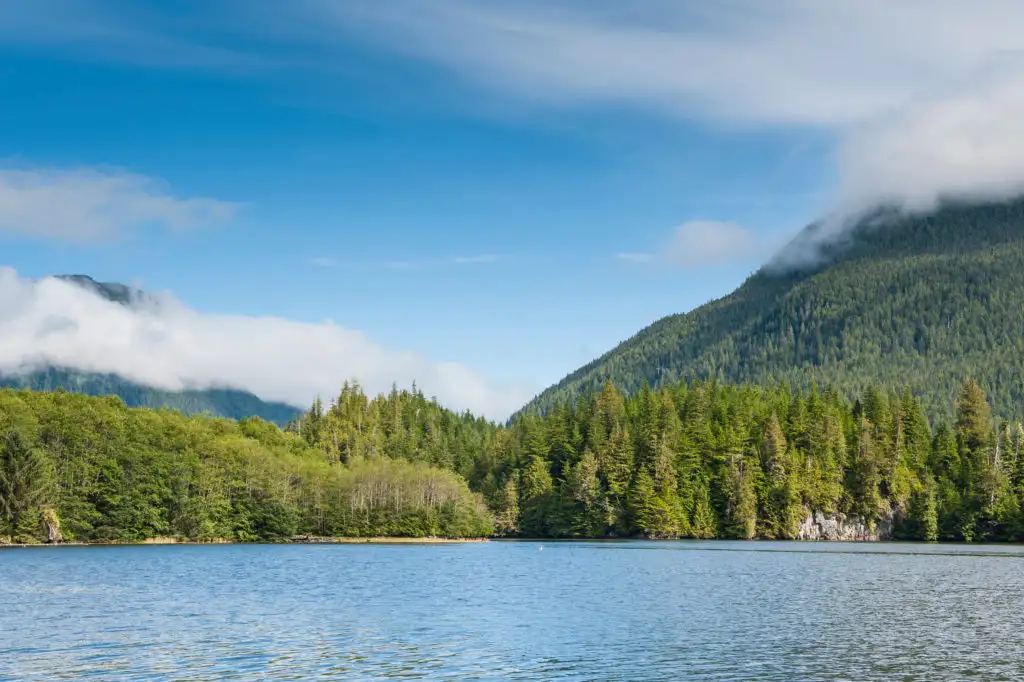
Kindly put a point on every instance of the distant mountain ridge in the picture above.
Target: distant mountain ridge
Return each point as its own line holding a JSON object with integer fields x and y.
{"x": 224, "y": 402}
{"x": 919, "y": 301}
{"x": 112, "y": 291}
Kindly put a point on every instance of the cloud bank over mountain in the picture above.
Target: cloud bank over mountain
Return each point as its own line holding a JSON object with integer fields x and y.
{"x": 160, "y": 342}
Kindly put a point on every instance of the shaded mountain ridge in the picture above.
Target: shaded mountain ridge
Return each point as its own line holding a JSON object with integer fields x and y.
{"x": 910, "y": 300}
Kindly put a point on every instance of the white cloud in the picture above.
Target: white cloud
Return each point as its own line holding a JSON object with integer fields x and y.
{"x": 965, "y": 142}
{"x": 411, "y": 265}
{"x": 705, "y": 243}
{"x": 80, "y": 205}
{"x": 162, "y": 343}
{"x": 920, "y": 97}
{"x": 637, "y": 257}
{"x": 702, "y": 244}
{"x": 791, "y": 61}
{"x": 478, "y": 259}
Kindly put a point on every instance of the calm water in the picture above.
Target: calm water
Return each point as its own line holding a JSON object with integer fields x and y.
{"x": 514, "y": 610}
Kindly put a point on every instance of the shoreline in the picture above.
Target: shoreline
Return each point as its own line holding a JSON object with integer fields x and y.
{"x": 451, "y": 541}
{"x": 382, "y": 541}
{"x": 293, "y": 541}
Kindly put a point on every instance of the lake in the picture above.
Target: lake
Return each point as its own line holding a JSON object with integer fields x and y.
{"x": 514, "y": 610}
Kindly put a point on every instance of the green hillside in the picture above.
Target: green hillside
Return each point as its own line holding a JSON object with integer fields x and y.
{"x": 910, "y": 301}
{"x": 220, "y": 402}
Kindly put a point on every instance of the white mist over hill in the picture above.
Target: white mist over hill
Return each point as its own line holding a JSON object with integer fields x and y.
{"x": 158, "y": 341}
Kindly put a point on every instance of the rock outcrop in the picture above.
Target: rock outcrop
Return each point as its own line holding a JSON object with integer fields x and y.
{"x": 840, "y": 527}
{"x": 52, "y": 524}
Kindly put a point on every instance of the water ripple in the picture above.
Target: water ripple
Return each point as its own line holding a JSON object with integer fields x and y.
{"x": 575, "y": 611}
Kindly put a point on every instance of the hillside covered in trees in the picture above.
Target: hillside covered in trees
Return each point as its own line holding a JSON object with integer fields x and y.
{"x": 915, "y": 302}
{"x": 699, "y": 460}
{"x": 219, "y": 402}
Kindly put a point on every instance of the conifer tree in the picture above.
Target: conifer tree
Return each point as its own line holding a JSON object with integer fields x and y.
{"x": 24, "y": 485}
{"x": 589, "y": 506}
{"x": 535, "y": 497}
{"x": 506, "y": 520}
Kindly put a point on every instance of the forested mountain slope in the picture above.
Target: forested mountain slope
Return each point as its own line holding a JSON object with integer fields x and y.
{"x": 221, "y": 402}
{"x": 915, "y": 301}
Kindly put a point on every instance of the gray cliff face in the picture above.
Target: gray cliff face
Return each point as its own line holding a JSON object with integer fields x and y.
{"x": 839, "y": 527}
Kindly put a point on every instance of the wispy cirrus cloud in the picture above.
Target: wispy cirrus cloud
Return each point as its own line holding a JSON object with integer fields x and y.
{"x": 428, "y": 264}
{"x": 919, "y": 98}
{"x": 637, "y": 257}
{"x": 148, "y": 34}
{"x": 88, "y": 204}
{"x": 415, "y": 264}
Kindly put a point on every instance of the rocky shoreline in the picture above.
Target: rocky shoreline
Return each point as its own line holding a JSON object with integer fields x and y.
{"x": 818, "y": 526}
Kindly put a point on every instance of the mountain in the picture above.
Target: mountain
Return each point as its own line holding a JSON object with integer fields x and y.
{"x": 112, "y": 291}
{"x": 223, "y": 402}
{"x": 917, "y": 301}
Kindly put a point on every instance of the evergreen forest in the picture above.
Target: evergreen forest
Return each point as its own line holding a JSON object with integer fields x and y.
{"x": 81, "y": 468}
{"x": 699, "y": 459}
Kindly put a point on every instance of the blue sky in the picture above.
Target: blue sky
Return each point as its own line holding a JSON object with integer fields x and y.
{"x": 428, "y": 179}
